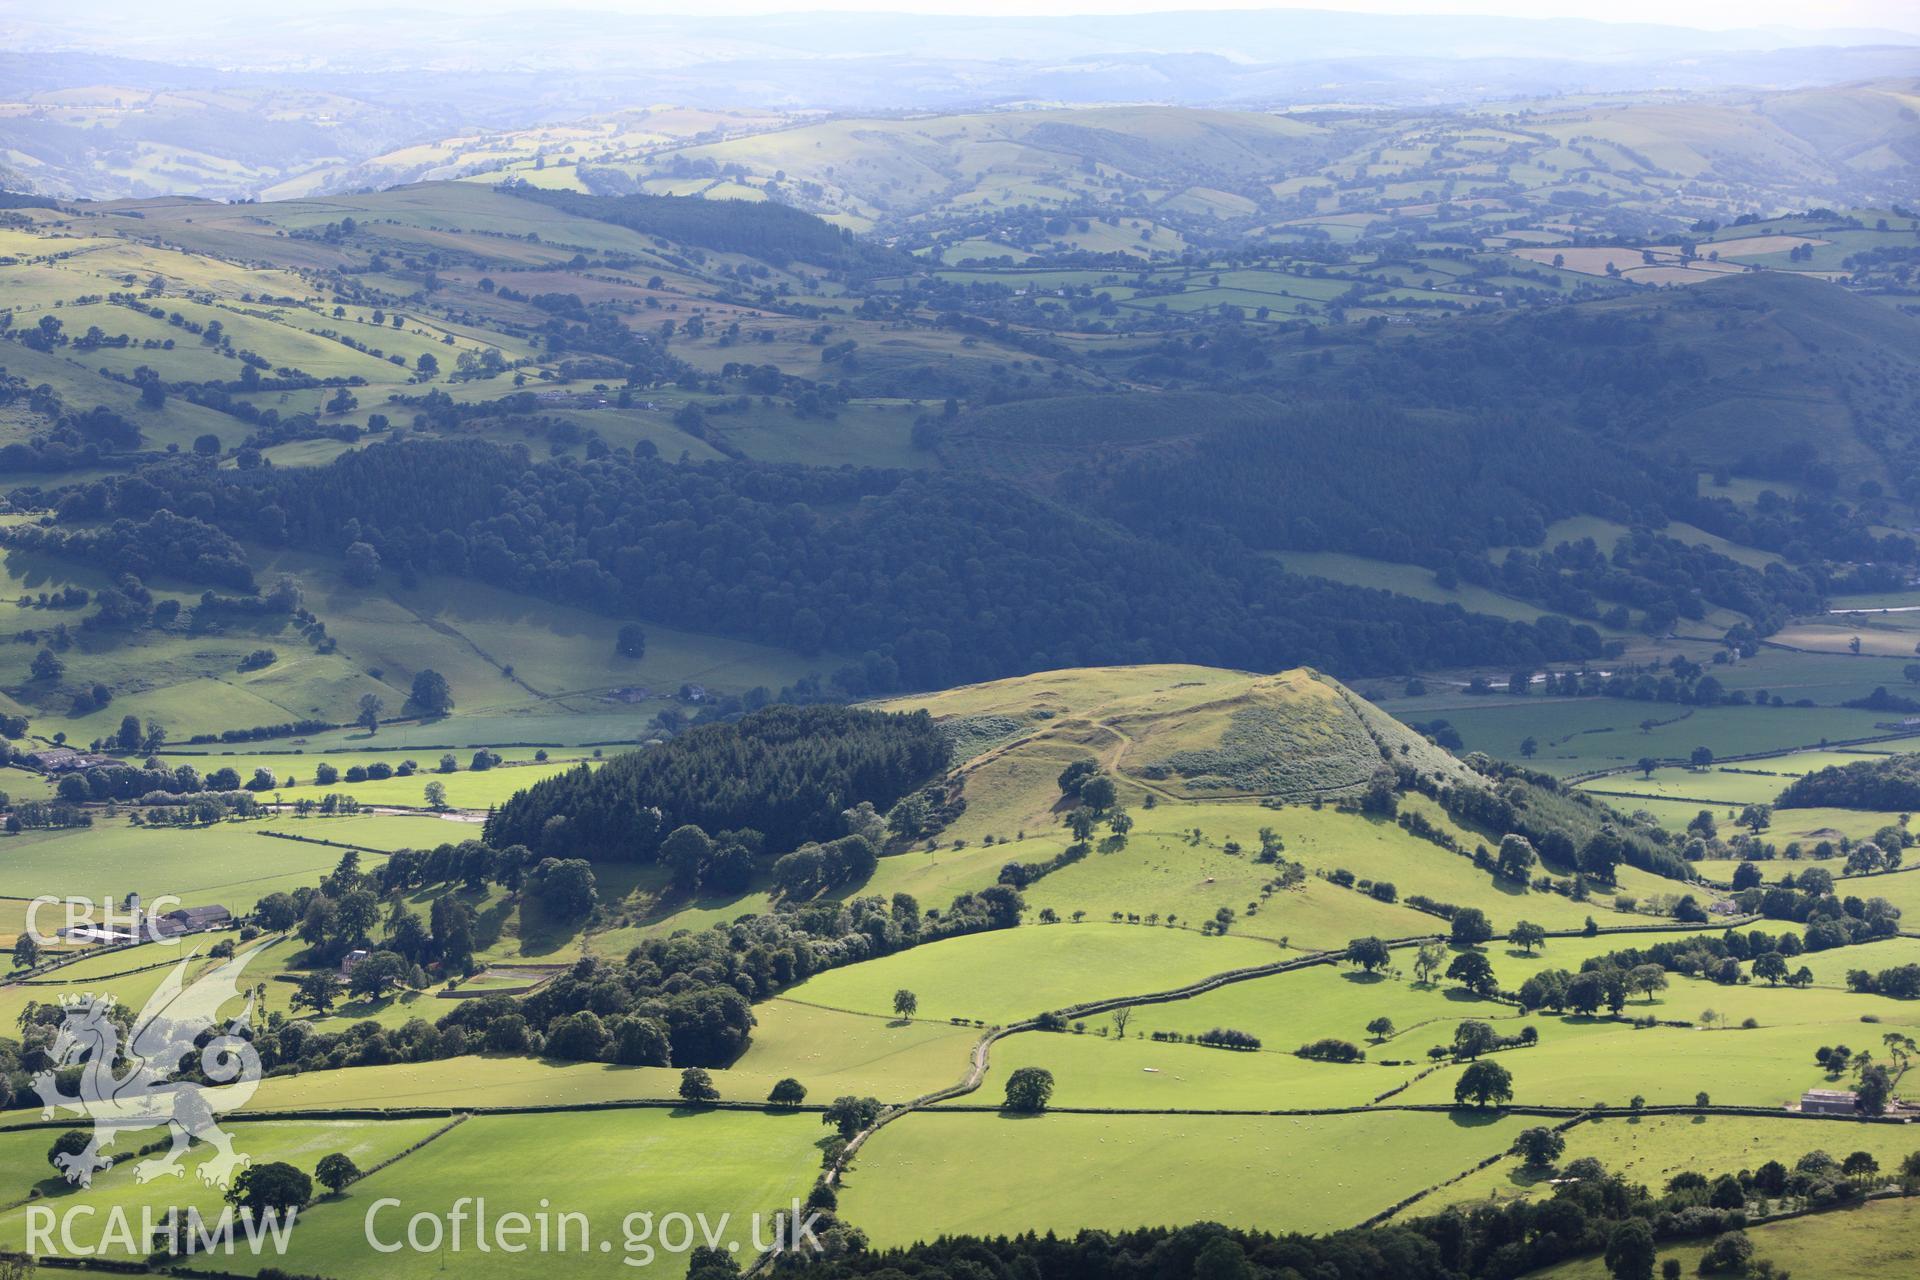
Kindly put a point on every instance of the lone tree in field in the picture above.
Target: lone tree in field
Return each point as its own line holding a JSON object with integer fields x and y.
{"x": 275, "y": 1187}
{"x": 1121, "y": 1017}
{"x": 431, "y": 695}
{"x": 1527, "y": 935}
{"x": 316, "y": 991}
{"x": 1380, "y": 1028}
{"x": 1029, "y": 1090}
{"x": 697, "y": 1086}
{"x": 1473, "y": 1038}
{"x": 1539, "y": 1147}
{"x": 1470, "y": 927}
{"x": 369, "y": 714}
{"x": 788, "y": 1093}
{"x": 1770, "y": 965}
{"x": 1474, "y": 972}
{"x": 1427, "y": 961}
{"x": 1484, "y": 1084}
{"x": 1647, "y": 979}
{"x": 26, "y": 952}
{"x": 436, "y": 794}
{"x": 1369, "y": 953}
{"x": 1630, "y": 1252}
{"x": 1646, "y": 765}
{"x": 336, "y": 1171}
{"x": 632, "y": 641}
{"x": 905, "y": 1003}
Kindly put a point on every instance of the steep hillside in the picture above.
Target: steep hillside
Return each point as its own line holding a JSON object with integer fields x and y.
{"x": 1179, "y": 732}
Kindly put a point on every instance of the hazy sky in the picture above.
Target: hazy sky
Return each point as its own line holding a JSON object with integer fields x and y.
{"x": 1899, "y": 15}
{"x": 1902, "y": 15}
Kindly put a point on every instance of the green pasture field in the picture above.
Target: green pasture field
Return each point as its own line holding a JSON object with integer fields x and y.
{"x": 1582, "y": 735}
{"x": 932, "y": 877}
{"x": 300, "y": 761}
{"x": 20, "y": 784}
{"x": 1287, "y": 1010}
{"x": 1737, "y": 784}
{"x": 1007, "y": 975}
{"x": 714, "y": 1163}
{"x": 1829, "y": 679}
{"x": 832, "y": 1052}
{"x": 227, "y": 863}
{"x": 1809, "y": 826}
{"x": 1407, "y": 580}
{"x": 299, "y": 1142}
{"x": 618, "y": 428}
{"x": 1512, "y": 965}
{"x": 1767, "y": 1067}
{"x": 828, "y": 1051}
{"x": 563, "y": 659}
{"x": 1830, "y": 968}
{"x": 1099, "y": 1071}
{"x": 863, "y": 433}
{"x": 1162, "y": 869}
{"x": 1167, "y": 876}
{"x": 1651, "y": 1149}
{"x": 1063, "y": 1173}
{"x": 1903, "y": 891}
{"x": 132, "y": 976}
{"x": 547, "y": 725}
{"x": 1869, "y": 1242}
{"x": 1720, "y": 870}
{"x": 466, "y": 788}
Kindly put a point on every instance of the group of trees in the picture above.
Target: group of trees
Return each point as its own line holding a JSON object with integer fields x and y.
{"x": 681, "y": 1001}
{"x": 786, "y": 773}
{"x": 1889, "y": 784}
{"x": 1569, "y": 832}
